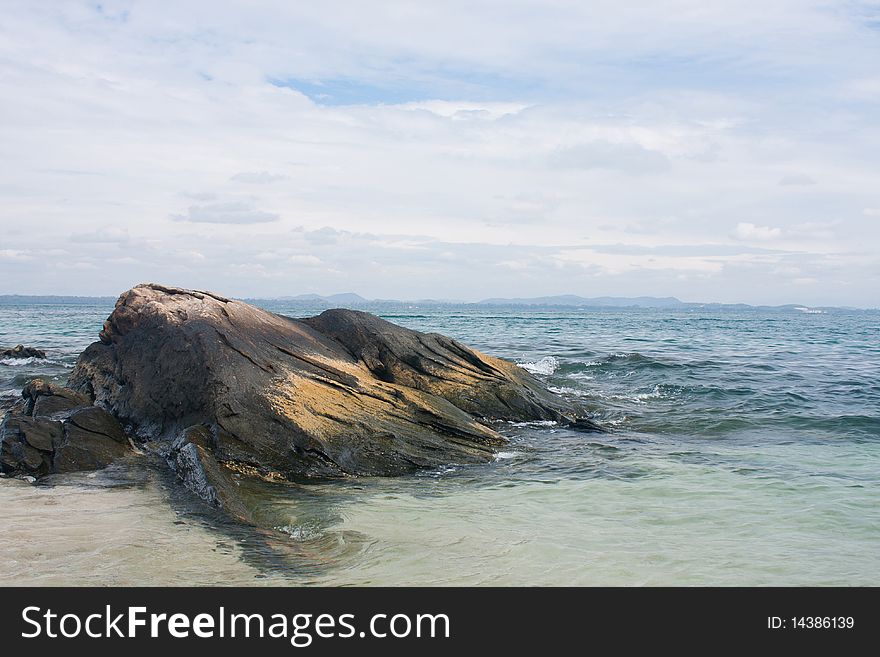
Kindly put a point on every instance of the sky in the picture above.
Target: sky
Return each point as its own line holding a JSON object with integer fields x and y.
{"x": 713, "y": 151}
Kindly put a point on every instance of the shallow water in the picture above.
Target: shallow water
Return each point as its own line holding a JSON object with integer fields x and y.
{"x": 745, "y": 450}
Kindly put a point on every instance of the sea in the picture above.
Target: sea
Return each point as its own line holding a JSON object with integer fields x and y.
{"x": 743, "y": 448}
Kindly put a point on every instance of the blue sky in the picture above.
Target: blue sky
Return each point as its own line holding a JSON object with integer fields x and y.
{"x": 724, "y": 151}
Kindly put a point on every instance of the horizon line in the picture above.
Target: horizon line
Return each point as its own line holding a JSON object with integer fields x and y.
{"x": 495, "y": 300}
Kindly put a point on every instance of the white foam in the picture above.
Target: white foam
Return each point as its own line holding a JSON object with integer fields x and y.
{"x": 299, "y": 532}
{"x": 535, "y": 423}
{"x": 500, "y": 456}
{"x": 654, "y": 394}
{"x": 546, "y": 366}
{"x": 565, "y": 390}
{"x": 30, "y": 360}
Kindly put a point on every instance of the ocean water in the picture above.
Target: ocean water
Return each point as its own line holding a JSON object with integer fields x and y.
{"x": 744, "y": 449}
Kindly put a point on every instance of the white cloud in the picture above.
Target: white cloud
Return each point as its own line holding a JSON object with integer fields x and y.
{"x": 15, "y": 254}
{"x": 749, "y": 232}
{"x": 440, "y": 145}
{"x": 306, "y": 260}
{"x": 231, "y": 212}
{"x": 627, "y": 157}
{"x": 796, "y": 179}
{"x": 103, "y": 235}
{"x": 258, "y": 177}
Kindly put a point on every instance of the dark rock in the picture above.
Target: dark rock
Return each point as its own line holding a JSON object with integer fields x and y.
{"x": 18, "y": 436}
{"x": 54, "y": 429}
{"x": 476, "y": 383}
{"x": 98, "y": 421}
{"x": 585, "y": 425}
{"x": 46, "y": 399}
{"x": 20, "y": 351}
{"x": 192, "y": 459}
{"x": 342, "y": 393}
{"x": 38, "y": 433}
{"x": 81, "y": 449}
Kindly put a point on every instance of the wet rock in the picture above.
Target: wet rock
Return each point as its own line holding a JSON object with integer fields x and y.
{"x": 20, "y": 351}
{"x": 341, "y": 393}
{"x": 54, "y": 429}
{"x": 192, "y": 459}
{"x": 92, "y": 419}
{"x": 86, "y": 450}
{"x": 27, "y": 444}
{"x": 46, "y": 399}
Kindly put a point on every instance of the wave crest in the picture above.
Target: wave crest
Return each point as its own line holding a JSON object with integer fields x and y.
{"x": 546, "y": 366}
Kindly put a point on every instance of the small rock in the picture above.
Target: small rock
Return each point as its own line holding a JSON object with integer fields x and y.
{"x": 20, "y": 351}
{"x": 55, "y": 429}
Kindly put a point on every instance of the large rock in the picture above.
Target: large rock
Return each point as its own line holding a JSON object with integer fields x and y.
{"x": 341, "y": 393}
{"x": 53, "y": 429}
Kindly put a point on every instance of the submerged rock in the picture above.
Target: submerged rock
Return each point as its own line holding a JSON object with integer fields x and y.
{"x": 53, "y": 429}
{"x": 20, "y": 351}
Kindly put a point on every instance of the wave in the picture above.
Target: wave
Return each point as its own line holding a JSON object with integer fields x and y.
{"x": 32, "y": 360}
{"x": 534, "y": 423}
{"x": 566, "y": 390}
{"x": 631, "y": 361}
{"x": 546, "y": 366}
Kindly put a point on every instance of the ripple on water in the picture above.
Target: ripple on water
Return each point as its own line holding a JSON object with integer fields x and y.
{"x": 743, "y": 450}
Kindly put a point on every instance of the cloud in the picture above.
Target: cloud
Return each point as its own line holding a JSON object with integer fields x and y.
{"x": 103, "y": 235}
{"x": 626, "y": 157}
{"x": 15, "y": 254}
{"x": 323, "y": 236}
{"x": 306, "y": 260}
{"x": 749, "y": 232}
{"x": 796, "y": 179}
{"x": 257, "y": 177}
{"x": 232, "y": 212}
{"x": 442, "y": 148}
{"x": 524, "y": 208}
{"x": 200, "y": 196}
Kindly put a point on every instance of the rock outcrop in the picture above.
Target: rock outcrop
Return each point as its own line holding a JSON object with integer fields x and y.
{"x": 20, "y": 351}
{"x": 223, "y": 390}
{"x": 53, "y": 429}
{"x": 341, "y": 393}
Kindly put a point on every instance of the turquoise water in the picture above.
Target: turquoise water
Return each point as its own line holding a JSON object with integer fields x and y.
{"x": 744, "y": 449}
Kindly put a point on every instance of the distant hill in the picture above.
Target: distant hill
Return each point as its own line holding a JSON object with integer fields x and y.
{"x": 52, "y": 300}
{"x": 593, "y": 302}
{"x": 345, "y": 297}
{"x": 350, "y": 299}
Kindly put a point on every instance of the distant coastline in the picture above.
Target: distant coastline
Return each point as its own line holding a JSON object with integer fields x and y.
{"x": 51, "y": 300}
{"x": 566, "y": 301}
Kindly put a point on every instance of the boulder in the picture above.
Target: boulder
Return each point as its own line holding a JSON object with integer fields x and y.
{"x": 338, "y": 394}
{"x": 20, "y": 351}
{"x": 46, "y": 399}
{"x": 53, "y": 429}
